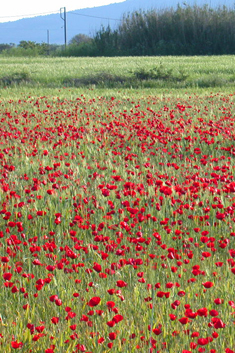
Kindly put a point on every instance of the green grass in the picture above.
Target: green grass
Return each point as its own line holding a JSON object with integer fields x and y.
{"x": 119, "y": 72}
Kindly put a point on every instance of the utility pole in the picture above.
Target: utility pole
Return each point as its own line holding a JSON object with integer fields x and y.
{"x": 48, "y": 42}
{"x": 65, "y": 31}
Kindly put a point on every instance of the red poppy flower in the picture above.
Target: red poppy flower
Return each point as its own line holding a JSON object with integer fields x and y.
{"x": 94, "y": 301}
{"x": 111, "y": 323}
{"x": 218, "y": 323}
{"x": 172, "y": 317}
{"x": 97, "y": 267}
{"x": 111, "y": 291}
{"x": 117, "y": 318}
{"x": 110, "y": 305}
{"x": 214, "y": 312}
{"x": 157, "y": 331}
{"x": 228, "y": 350}
{"x": 101, "y": 340}
{"x": 105, "y": 192}
{"x": 112, "y": 336}
{"x": 16, "y": 344}
{"x": 208, "y": 284}
{"x": 58, "y": 302}
{"x": 184, "y": 320}
{"x": 40, "y": 328}
{"x": 218, "y": 301}
{"x": 203, "y": 341}
{"x": 55, "y": 320}
{"x": 7, "y": 276}
{"x": 5, "y": 259}
{"x": 41, "y": 213}
{"x": 202, "y": 312}
{"x": 121, "y": 284}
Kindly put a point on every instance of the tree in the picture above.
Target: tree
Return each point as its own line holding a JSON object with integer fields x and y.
{"x": 39, "y": 48}
{"x": 27, "y": 44}
{"x": 4, "y": 46}
{"x": 80, "y": 38}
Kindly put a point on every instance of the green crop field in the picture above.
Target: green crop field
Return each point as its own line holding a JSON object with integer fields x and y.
{"x": 128, "y": 72}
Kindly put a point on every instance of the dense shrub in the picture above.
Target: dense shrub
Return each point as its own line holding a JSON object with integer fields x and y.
{"x": 183, "y": 31}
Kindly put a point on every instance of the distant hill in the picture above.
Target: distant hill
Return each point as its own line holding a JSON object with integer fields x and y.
{"x": 86, "y": 21}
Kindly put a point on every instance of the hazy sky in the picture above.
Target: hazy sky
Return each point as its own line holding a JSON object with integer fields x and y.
{"x": 12, "y": 10}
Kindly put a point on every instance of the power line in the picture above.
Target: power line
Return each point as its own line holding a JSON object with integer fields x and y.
{"x": 34, "y": 14}
{"x": 25, "y": 29}
{"x": 104, "y": 18}
{"x": 54, "y": 12}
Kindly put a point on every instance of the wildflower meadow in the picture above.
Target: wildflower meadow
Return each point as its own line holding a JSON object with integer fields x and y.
{"x": 117, "y": 224}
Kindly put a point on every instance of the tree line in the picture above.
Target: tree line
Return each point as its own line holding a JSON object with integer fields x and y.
{"x": 28, "y": 48}
{"x": 186, "y": 30}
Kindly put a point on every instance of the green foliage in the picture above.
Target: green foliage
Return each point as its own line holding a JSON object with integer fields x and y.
{"x": 19, "y": 52}
{"x": 80, "y": 38}
{"x": 27, "y": 44}
{"x": 40, "y": 48}
{"x": 211, "y": 81}
{"x": 106, "y": 42}
{"x": 83, "y": 49}
{"x": 15, "y": 78}
{"x": 26, "y": 48}
{"x": 6, "y": 46}
{"x": 104, "y": 79}
{"x": 188, "y": 30}
{"x": 159, "y": 73}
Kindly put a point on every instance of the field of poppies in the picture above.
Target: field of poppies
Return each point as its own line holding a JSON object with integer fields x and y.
{"x": 117, "y": 224}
